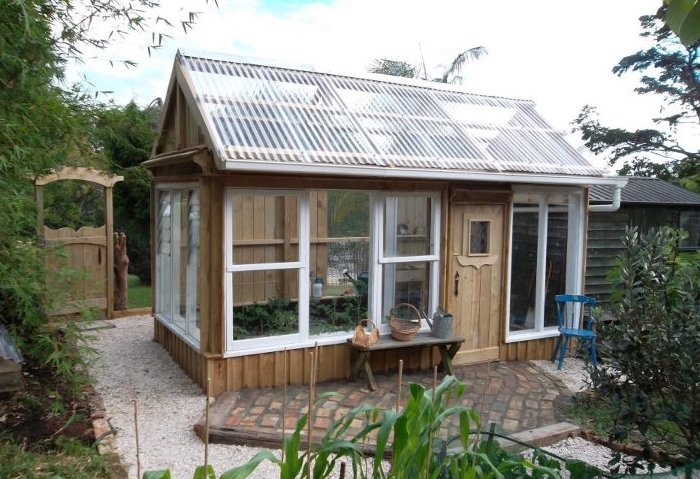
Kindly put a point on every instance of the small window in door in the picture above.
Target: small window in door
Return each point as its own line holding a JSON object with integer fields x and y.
{"x": 479, "y": 237}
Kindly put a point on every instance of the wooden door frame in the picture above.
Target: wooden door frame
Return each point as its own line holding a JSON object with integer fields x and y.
{"x": 458, "y": 196}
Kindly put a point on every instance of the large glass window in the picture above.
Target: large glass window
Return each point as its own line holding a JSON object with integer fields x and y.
{"x": 546, "y": 235}
{"x": 264, "y": 264}
{"x": 177, "y": 253}
{"x": 306, "y": 266}
{"x": 339, "y": 260}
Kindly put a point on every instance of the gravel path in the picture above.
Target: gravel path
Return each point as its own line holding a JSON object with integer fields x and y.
{"x": 573, "y": 373}
{"x": 132, "y": 366}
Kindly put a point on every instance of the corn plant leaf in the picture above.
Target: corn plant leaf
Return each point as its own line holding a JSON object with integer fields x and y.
{"x": 246, "y": 469}
{"x": 390, "y": 418}
{"x": 156, "y": 475}
{"x": 202, "y": 472}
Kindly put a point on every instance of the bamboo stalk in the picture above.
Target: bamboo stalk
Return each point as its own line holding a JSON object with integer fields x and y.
{"x": 136, "y": 434}
{"x": 398, "y": 393}
{"x": 483, "y": 401}
{"x": 430, "y": 430}
{"x": 284, "y": 401}
{"x": 206, "y": 426}
{"x": 312, "y": 370}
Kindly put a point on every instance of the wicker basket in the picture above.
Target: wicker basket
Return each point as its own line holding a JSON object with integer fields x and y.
{"x": 361, "y": 337}
{"x": 403, "y": 329}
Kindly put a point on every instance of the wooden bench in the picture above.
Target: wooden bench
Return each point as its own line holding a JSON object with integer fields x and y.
{"x": 448, "y": 347}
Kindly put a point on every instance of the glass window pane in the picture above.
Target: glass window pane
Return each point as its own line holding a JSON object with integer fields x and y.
{"x": 193, "y": 265}
{"x": 179, "y": 256}
{"x": 406, "y": 283}
{"x": 479, "y": 237}
{"x": 523, "y": 275}
{"x": 407, "y": 226}
{"x": 265, "y": 303}
{"x": 339, "y": 260}
{"x": 265, "y": 228}
{"x": 163, "y": 262}
{"x": 557, "y": 228}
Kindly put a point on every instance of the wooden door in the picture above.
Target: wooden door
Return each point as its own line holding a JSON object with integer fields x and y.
{"x": 475, "y": 279}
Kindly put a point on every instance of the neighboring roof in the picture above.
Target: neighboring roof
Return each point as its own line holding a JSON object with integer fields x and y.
{"x": 283, "y": 116}
{"x": 647, "y": 191}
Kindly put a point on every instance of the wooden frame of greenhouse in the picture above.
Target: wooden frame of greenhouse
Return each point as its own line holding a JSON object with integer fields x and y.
{"x": 287, "y": 204}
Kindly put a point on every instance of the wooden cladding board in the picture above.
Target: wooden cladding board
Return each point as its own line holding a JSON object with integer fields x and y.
{"x": 268, "y": 369}
{"x": 528, "y": 350}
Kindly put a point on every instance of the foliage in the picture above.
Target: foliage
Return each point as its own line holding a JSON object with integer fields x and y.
{"x": 280, "y": 316}
{"x": 451, "y": 74}
{"x": 651, "y": 376}
{"x": 671, "y": 70}
{"x": 125, "y": 135}
{"x": 69, "y": 458}
{"x": 45, "y": 124}
{"x": 683, "y": 17}
{"x": 396, "y": 68}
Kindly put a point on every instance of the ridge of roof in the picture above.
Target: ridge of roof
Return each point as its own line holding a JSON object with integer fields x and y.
{"x": 291, "y": 66}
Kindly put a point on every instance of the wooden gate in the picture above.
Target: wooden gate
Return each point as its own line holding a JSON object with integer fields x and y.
{"x": 87, "y": 251}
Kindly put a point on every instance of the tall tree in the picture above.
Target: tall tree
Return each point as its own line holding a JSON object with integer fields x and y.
{"x": 125, "y": 135}
{"x": 404, "y": 69}
{"x": 43, "y": 124}
{"x": 669, "y": 149}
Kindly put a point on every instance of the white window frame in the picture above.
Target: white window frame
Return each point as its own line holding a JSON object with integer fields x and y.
{"x": 168, "y": 298}
{"x": 574, "y": 254}
{"x": 267, "y": 343}
{"x": 382, "y": 258}
{"x": 377, "y": 259}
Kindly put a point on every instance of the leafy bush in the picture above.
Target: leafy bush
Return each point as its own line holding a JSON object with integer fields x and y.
{"x": 651, "y": 373}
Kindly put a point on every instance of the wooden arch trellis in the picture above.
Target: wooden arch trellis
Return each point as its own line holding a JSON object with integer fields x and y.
{"x": 87, "y": 246}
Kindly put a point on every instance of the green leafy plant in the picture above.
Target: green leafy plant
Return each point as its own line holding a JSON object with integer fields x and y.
{"x": 651, "y": 376}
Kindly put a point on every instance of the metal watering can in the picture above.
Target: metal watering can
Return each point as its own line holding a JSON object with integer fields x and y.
{"x": 441, "y": 325}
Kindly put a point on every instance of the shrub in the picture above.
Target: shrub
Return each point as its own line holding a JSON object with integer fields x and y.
{"x": 651, "y": 374}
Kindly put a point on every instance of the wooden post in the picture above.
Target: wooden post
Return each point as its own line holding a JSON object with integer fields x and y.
{"x": 121, "y": 272}
{"x": 109, "y": 233}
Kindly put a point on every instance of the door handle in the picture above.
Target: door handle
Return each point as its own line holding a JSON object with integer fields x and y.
{"x": 456, "y": 283}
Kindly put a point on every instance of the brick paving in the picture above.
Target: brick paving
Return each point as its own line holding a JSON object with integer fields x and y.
{"x": 515, "y": 395}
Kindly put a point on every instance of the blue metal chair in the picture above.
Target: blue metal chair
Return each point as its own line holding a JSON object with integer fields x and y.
{"x": 575, "y": 319}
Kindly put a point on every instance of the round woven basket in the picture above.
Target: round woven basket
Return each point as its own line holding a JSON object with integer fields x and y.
{"x": 404, "y": 321}
{"x": 361, "y": 337}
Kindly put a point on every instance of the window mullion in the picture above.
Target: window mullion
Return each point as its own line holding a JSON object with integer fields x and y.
{"x": 376, "y": 234}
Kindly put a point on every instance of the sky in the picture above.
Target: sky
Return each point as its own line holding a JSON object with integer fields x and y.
{"x": 557, "y": 53}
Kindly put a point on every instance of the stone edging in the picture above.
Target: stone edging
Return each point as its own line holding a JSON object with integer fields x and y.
{"x": 104, "y": 433}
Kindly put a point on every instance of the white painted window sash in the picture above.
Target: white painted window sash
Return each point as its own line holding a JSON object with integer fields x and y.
{"x": 574, "y": 260}
{"x": 377, "y": 259}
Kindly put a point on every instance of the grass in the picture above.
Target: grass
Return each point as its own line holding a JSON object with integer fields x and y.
{"x": 68, "y": 459}
{"x": 139, "y": 294}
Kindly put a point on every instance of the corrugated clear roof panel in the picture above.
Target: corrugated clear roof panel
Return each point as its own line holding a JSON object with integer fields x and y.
{"x": 281, "y": 114}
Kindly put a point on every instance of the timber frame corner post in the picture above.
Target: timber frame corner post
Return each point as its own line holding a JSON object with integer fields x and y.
{"x": 98, "y": 178}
